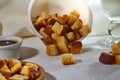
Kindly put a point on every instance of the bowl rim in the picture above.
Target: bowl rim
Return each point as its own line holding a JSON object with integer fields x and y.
{"x": 11, "y": 38}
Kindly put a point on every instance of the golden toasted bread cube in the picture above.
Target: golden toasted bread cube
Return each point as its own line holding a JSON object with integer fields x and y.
{"x": 44, "y": 15}
{"x": 40, "y": 21}
{"x": 70, "y": 36}
{"x": 48, "y": 29}
{"x": 26, "y": 71}
{"x": 4, "y": 70}
{"x": 32, "y": 65}
{"x": 53, "y": 15}
{"x": 116, "y": 48}
{"x": 57, "y": 28}
{"x": 62, "y": 44}
{"x": 67, "y": 59}
{"x": 117, "y": 59}
{"x": 62, "y": 19}
{"x": 76, "y": 34}
{"x": 76, "y": 47}
{"x": 77, "y": 25}
{"x": 107, "y": 58}
{"x": 54, "y": 36}
{"x": 48, "y": 41}
{"x": 85, "y": 30}
{"x": 72, "y": 19}
{"x": 2, "y": 77}
{"x": 51, "y": 21}
{"x": 4, "y": 66}
{"x": 16, "y": 68}
{"x": 43, "y": 33}
{"x": 12, "y": 62}
{"x": 18, "y": 77}
{"x": 74, "y": 12}
{"x": 52, "y": 50}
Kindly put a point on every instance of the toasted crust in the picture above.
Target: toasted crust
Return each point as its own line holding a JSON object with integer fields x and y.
{"x": 77, "y": 34}
{"x": 117, "y": 58}
{"x": 31, "y": 65}
{"x": 54, "y": 36}
{"x": 76, "y": 47}
{"x": 116, "y": 48}
{"x": 70, "y": 36}
{"x": 84, "y": 31}
{"x": 48, "y": 40}
{"x": 74, "y": 12}
{"x": 107, "y": 58}
{"x": 4, "y": 66}
{"x": 26, "y": 71}
{"x": 18, "y": 77}
{"x": 77, "y": 25}
{"x": 63, "y": 44}
{"x": 48, "y": 29}
{"x": 40, "y": 22}
{"x": 2, "y": 77}
{"x": 16, "y": 68}
{"x": 52, "y": 50}
{"x": 42, "y": 32}
{"x": 62, "y": 19}
{"x": 12, "y": 62}
{"x": 57, "y": 28}
{"x": 67, "y": 59}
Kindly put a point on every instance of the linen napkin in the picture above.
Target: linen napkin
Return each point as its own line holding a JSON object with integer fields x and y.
{"x": 25, "y": 32}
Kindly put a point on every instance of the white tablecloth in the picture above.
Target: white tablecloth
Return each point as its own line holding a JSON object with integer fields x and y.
{"x": 87, "y": 67}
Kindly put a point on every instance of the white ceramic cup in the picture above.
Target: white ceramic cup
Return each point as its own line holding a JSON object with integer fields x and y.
{"x": 13, "y": 50}
{"x": 61, "y": 7}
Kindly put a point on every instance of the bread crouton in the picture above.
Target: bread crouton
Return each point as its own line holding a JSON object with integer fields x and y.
{"x": 70, "y": 36}
{"x": 42, "y": 32}
{"x": 12, "y": 62}
{"x": 40, "y": 22}
{"x": 52, "y": 50}
{"x": 107, "y": 58}
{"x": 57, "y": 28}
{"x": 48, "y": 41}
{"x": 63, "y": 44}
{"x": 67, "y": 59}
{"x": 77, "y": 25}
{"x": 54, "y": 36}
{"x": 72, "y": 19}
{"x": 116, "y": 48}
{"x": 76, "y": 47}
{"x": 85, "y": 30}
{"x": 74, "y": 12}
{"x": 18, "y": 77}
{"x": 2, "y": 77}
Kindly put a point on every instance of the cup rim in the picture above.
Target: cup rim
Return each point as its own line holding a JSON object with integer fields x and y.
{"x": 11, "y": 38}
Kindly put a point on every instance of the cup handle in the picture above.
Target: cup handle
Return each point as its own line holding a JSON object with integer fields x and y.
{"x": 112, "y": 25}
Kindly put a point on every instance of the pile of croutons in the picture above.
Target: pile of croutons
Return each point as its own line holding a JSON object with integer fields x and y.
{"x": 112, "y": 57}
{"x": 61, "y": 34}
{"x": 16, "y": 70}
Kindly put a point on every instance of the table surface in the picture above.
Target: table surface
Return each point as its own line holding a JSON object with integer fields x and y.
{"x": 86, "y": 67}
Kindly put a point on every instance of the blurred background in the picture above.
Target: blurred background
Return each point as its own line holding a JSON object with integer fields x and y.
{"x": 14, "y": 16}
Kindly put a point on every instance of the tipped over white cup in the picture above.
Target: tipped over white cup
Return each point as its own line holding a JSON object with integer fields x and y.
{"x": 60, "y": 7}
{"x": 11, "y": 50}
